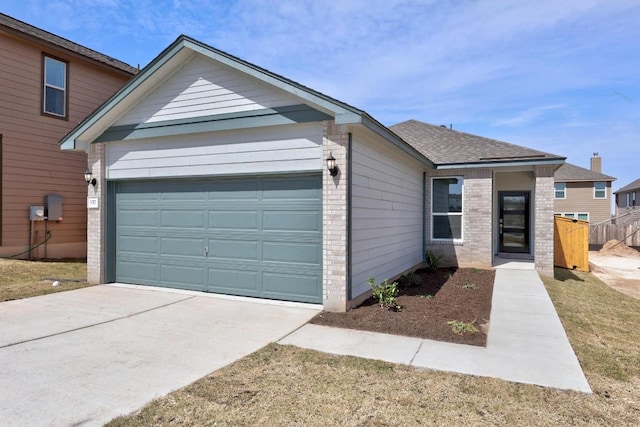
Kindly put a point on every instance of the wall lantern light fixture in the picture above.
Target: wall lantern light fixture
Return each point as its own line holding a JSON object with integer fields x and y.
{"x": 88, "y": 176}
{"x": 331, "y": 165}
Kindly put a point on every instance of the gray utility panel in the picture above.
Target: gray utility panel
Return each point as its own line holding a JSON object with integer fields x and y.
{"x": 258, "y": 237}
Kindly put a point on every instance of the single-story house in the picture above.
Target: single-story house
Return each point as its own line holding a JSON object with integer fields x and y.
{"x": 210, "y": 173}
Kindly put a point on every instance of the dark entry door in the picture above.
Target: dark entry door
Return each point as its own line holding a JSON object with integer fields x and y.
{"x": 514, "y": 221}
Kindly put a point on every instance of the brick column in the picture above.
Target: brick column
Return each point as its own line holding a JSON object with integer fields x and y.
{"x": 334, "y": 220}
{"x": 544, "y": 220}
{"x": 478, "y": 218}
{"x": 95, "y": 217}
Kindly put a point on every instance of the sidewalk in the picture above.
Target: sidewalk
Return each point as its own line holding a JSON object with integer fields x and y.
{"x": 526, "y": 341}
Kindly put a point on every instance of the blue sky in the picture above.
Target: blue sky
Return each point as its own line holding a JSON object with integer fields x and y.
{"x": 558, "y": 76}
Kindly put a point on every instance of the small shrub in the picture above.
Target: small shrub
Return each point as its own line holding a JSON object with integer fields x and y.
{"x": 427, "y": 296}
{"x": 474, "y": 270}
{"x": 410, "y": 280}
{"x": 460, "y": 327}
{"x": 432, "y": 260}
{"x": 385, "y": 293}
{"x": 469, "y": 286}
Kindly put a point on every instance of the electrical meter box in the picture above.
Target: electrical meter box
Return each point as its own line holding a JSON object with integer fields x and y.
{"x": 36, "y": 213}
{"x": 53, "y": 207}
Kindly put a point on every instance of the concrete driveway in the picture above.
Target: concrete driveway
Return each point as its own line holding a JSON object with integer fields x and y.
{"x": 84, "y": 357}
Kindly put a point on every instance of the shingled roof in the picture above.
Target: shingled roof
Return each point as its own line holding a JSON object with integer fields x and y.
{"x": 572, "y": 173}
{"x": 635, "y": 185}
{"x": 22, "y": 29}
{"x": 444, "y": 146}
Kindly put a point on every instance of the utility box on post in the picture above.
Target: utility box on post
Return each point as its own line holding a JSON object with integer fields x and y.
{"x": 53, "y": 207}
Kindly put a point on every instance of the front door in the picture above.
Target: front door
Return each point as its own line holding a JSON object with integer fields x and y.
{"x": 514, "y": 221}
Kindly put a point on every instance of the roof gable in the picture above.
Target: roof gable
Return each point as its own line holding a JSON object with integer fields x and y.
{"x": 169, "y": 62}
{"x": 26, "y": 31}
{"x": 203, "y": 87}
{"x": 451, "y": 148}
{"x": 571, "y": 173}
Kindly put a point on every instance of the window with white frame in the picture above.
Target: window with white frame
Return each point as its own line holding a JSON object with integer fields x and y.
{"x": 628, "y": 199}
{"x": 633, "y": 198}
{"x": 583, "y": 216}
{"x": 561, "y": 190}
{"x": 600, "y": 190}
{"x": 54, "y": 95}
{"x": 446, "y": 208}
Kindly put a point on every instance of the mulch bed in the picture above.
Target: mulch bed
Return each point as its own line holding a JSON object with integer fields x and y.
{"x": 462, "y": 294}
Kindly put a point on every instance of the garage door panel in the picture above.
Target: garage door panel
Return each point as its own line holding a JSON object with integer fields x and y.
{"x": 233, "y": 280}
{"x": 293, "y": 252}
{"x": 138, "y": 244}
{"x": 181, "y": 246}
{"x": 183, "y": 277}
{"x": 238, "y": 220}
{"x": 292, "y": 221}
{"x": 233, "y": 190}
{"x": 138, "y": 218}
{"x": 233, "y": 249}
{"x": 183, "y": 219}
{"x": 300, "y": 189}
{"x": 277, "y": 285}
{"x": 244, "y": 236}
{"x": 137, "y": 271}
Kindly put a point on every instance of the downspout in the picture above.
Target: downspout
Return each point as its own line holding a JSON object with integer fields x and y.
{"x": 424, "y": 216}
{"x": 349, "y": 213}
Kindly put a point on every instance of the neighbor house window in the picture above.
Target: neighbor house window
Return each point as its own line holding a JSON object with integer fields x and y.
{"x": 561, "y": 190}
{"x": 628, "y": 199}
{"x": 446, "y": 211}
{"x": 633, "y": 198}
{"x": 600, "y": 190}
{"x": 54, "y": 92}
{"x": 584, "y": 216}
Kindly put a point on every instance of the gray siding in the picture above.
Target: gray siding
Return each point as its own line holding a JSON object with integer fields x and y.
{"x": 204, "y": 88}
{"x": 387, "y": 213}
{"x": 260, "y": 150}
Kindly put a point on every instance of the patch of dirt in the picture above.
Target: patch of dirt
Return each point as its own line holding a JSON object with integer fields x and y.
{"x": 616, "y": 247}
{"x": 445, "y": 295}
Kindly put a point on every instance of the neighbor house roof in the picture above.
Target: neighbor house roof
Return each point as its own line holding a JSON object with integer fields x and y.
{"x": 452, "y": 148}
{"x": 633, "y": 186}
{"x": 24, "y": 30}
{"x": 572, "y": 173}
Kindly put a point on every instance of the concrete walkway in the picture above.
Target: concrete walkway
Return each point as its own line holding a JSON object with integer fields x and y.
{"x": 86, "y": 356}
{"x": 526, "y": 341}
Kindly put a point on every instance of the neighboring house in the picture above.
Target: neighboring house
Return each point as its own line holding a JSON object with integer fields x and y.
{"x": 214, "y": 174}
{"x": 48, "y": 86}
{"x": 583, "y": 194}
{"x": 627, "y": 199}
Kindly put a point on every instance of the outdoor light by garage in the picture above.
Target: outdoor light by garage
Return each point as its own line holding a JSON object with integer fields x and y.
{"x": 331, "y": 165}
{"x": 88, "y": 176}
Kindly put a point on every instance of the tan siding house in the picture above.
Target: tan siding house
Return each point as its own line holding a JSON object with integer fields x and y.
{"x": 583, "y": 194}
{"x": 48, "y": 86}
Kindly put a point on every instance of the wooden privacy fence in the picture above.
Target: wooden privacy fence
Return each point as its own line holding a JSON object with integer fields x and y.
{"x": 571, "y": 243}
{"x": 628, "y": 234}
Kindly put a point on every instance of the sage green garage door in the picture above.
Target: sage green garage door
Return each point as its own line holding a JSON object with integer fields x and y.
{"x": 259, "y": 237}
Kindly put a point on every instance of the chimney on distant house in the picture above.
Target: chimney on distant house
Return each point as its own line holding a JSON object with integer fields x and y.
{"x": 596, "y": 163}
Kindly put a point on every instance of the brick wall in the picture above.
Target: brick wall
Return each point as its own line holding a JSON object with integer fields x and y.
{"x": 544, "y": 205}
{"x": 476, "y": 248}
{"x": 334, "y": 220}
{"x": 95, "y": 224}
